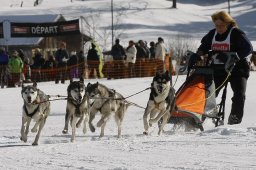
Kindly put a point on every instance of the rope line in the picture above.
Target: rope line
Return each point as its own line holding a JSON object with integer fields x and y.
{"x": 61, "y": 97}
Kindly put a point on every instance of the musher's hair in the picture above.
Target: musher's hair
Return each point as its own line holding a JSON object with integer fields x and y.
{"x": 225, "y": 17}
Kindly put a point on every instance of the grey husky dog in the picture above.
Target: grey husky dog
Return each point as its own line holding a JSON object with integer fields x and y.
{"x": 161, "y": 102}
{"x": 77, "y": 107}
{"x": 106, "y": 101}
{"x": 37, "y": 107}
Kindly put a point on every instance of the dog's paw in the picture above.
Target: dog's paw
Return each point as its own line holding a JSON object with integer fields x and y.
{"x": 92, "y": 128}
{"x": 24, "y": 139}
{"x": 34, "y": 144}
{"x": 34, "y": 130}
{"x": 145, "y": 133}
{"x": 65, "y": 131}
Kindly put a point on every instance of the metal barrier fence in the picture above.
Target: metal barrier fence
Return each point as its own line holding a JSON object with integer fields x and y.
{"x": 111, "y": 69}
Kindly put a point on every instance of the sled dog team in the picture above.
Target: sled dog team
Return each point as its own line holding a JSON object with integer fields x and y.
{"x": 84, "y": 102}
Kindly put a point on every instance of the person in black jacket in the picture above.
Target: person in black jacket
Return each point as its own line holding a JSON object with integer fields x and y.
{"x": 61, "y": 57}
{"x": 73, "y": 65}
{"x": 93, "y": 61}
{"x": 4, "y": 59}
{"x": 227, "y": 37}
{"x": 119, "y": 57}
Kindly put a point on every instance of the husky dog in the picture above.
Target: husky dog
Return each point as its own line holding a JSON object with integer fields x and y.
{"x": 37, "y": 107}
{"x": 106, "y": 101}
{"x": 161, "y": 102}
{"x": 77, "y": 107}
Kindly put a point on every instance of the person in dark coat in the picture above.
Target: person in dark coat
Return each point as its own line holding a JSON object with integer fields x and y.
{"x": 227, "y": 37}
{"x": 119, "y": 57}
{"x": 61, "y": 57}
{"x": 50, "y": 67}
{"x": 93, "y": 61}
{"x": 141, "y": 56}
{"x": 118, "y": 51}
{"x": 152, "y": 49}
{"x": 82, "y": 63}
{"x": 4, "y": 59}
{"x": 38, "y": 62}
{"x": 141, "y": 51}
{"x": 73, "y": 65}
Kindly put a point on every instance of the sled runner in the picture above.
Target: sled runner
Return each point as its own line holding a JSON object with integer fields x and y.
{"x": 196, "y": 98}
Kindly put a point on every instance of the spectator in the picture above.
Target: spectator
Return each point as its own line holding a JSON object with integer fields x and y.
{"x": 38, "y": 62}
{"x": 160, "y": 54}
{"x": 117, "y": 51}
{"x": 4, "y": 59}
{"x": 16, "y": 65}
{"x": 49, "y": 68}
{"x": 142, "y": 52}
{"x": 81, "y": 63}
{"x": 73, "y": 65}
{"x": 61, "y": 57}
{"x": 131, "y": 52}
{"x": 142, "y": 55}
{"x": 26, "y": 72}
{"x": 118, "y": 54}
{"x": 93, "y": 61}
{"x": 152, "y": 49}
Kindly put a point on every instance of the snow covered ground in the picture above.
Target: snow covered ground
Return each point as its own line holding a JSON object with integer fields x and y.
{"x": 224, "y": 147}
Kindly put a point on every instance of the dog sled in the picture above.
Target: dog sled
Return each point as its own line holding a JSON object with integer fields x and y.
{"x": 196, "y": 98}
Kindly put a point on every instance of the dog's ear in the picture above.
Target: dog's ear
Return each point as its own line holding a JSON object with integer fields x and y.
{"x": 168, "y": 76}
{"x": 71, "y": 80}
{"x": 82, "y": 79}
{"x": 22, "y": 85}
{"x": 34, "y": 84}
{"x": 89, "y": 85}
{"x": 158, "y": 74}
{"x": 97, "y": 84}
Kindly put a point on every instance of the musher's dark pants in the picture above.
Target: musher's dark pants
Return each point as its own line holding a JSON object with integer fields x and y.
{"x": 238, "y": 85}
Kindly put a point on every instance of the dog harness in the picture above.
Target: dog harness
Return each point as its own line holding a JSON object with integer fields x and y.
{"x": 110, "y": 96}
{"x": 33, "y": 113}
{"x": 77, "y": 106}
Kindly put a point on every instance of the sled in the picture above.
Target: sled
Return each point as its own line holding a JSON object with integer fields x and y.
{"x": 196, "y": 99}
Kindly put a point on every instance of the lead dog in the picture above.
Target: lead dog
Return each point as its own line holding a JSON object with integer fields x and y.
{"x": 161, "y": 102}
{"x": 106, "y": 101}
{"x": 77, "y": 107}
{"x": 37, "y": 107}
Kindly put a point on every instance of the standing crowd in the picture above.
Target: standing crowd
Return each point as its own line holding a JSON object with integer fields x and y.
{"x": 16, "y": 68}
{"x": 135, "y": 58}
